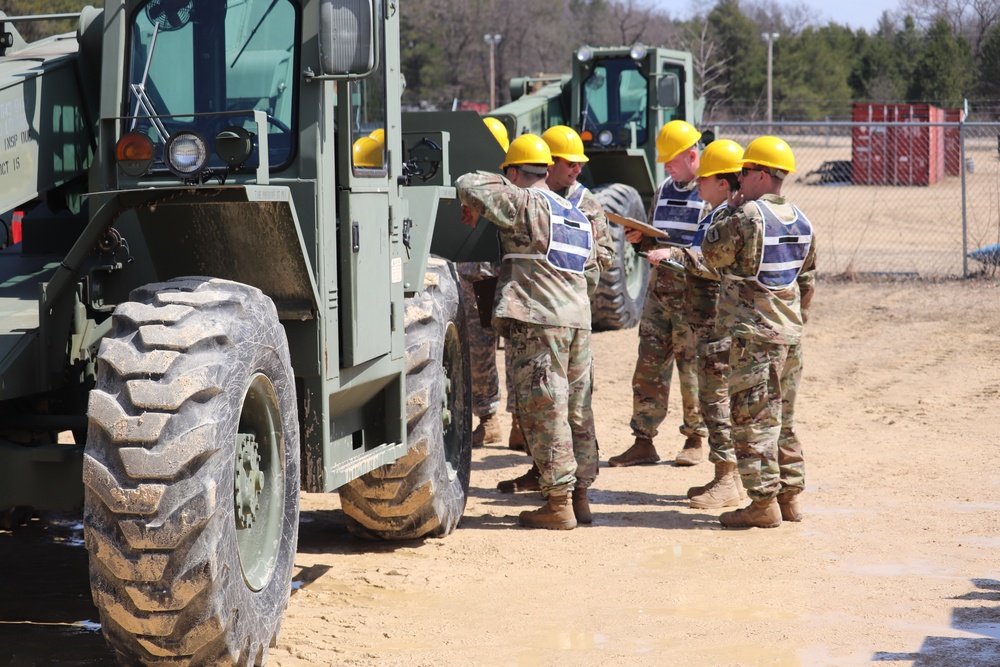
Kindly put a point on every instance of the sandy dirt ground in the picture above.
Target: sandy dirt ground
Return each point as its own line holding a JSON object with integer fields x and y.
{"x": 896, "y": 562}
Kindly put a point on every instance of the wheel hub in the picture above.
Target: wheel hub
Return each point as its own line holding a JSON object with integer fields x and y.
{"x": 248, "y": 481}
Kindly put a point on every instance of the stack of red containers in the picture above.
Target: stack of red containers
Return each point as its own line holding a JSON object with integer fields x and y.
{"x": 952, "y": 144}
{"x": 894, "y": 155}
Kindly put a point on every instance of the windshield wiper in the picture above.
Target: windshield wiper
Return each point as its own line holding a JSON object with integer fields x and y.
{"x": 253, "y": 32}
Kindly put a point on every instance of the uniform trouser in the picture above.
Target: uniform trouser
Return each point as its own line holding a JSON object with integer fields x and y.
{"x": 552, "y": 380}
{"x": 791, "y": 460}
{"x": 482, "y": 343}
{"x": 664, "y": 335}
{"x": 713, "y": 392}
{"x": 760, "y": 379}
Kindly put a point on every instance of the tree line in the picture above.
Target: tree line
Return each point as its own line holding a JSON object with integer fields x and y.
{"x": 941, "y": 52}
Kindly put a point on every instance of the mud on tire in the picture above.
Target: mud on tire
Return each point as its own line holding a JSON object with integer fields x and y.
{"x": 192, "y": 475}
{"x": 617, "y": 302}
{"x": 424, "y": 493}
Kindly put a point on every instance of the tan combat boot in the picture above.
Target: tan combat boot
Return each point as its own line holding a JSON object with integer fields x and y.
{"x": 721, "y": 491}
{"x": 581, "y": 506}
{"x": 759, "y": 514}
{"x": 556, "y": 514}
{"x": 698, "y": 490}
{"x": 641, "y": 452}
{"x": 487, "y": 431}
{"x": 526, "y": 482}
{"x": 788, "y": 501}
{"x": 691, "y": 454}
{"x": 516, "y": 440}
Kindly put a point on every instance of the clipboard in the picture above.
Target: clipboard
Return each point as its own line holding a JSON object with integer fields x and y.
{"x": 648, "y": 230}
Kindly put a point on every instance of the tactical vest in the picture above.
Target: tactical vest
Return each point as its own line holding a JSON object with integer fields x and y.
{"x": 570, "y": 236}
{"x": 786, "y": 245}
{"x": 678, "y": 213}
{"x": 699, "y": 235}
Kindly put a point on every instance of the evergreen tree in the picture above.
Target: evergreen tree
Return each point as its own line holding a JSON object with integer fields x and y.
{"x": 944, "y": 71}
{"x": 744, "y": 77}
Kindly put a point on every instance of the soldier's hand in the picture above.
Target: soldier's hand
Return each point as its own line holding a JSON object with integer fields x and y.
{"x": 656, "y": 256}
{"x": 469, "y": 216}
{"x": 633, "y": 236}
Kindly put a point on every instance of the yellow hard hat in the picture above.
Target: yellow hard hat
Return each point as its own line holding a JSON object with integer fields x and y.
{"x": 378, "y": 134}
{"x": 527, "y": 149}
{"x": 499, "y": 131}
{"x": 722, "y": 156}
{"x": 564, "y": 142}
{"x": 674, "y": 138}
{"x": 770, "y": 152}
{"x": 367, "y": 153}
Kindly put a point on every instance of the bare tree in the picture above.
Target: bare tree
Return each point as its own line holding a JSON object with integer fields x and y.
{"x": 971, "y": 19}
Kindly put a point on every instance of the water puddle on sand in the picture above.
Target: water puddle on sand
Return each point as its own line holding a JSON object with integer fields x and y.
{"x": 47, "y": 616}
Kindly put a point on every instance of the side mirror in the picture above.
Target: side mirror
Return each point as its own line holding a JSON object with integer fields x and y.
{"x": 668, "y": 91}
{"x": 347, "y": 38}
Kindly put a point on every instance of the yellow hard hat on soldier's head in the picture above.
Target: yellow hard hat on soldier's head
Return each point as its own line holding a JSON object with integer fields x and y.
{"x": 722, "y": 156}
{"x": 367, "y": 153}
{"x": 674, "y": 138}
{"x": 770, "y": 152}
{"x": 499, "y": 131}
{"x": 527, "y": 149}
{"x": 564, "y": 142}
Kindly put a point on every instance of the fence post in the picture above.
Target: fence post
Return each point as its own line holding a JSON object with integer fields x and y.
{"x": 965, "y": 221}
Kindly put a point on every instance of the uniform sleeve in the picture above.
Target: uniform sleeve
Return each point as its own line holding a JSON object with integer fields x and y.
{"x": 493, "y": 197}
{"x": 807, "y": 279}
{"x": 605, "y": 245}
{"x": 721, "y": 242}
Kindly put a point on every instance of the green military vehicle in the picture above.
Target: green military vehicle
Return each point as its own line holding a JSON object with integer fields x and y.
{"x": 208, "y": 303}
{"x": 617, "y": 99}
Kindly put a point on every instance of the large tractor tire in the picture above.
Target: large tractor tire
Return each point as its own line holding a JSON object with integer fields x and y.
{"x": 424, "y": 492}
{"x": 617, "y": 301}
{"x": 192, "y": 476}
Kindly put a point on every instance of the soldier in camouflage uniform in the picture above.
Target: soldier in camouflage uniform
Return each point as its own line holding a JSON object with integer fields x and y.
{"x": 482, "y": 357}
{"x": 568, "y": 159}
{"x": 766, "y": 254}
{"x": 718, "y": 180}
{"x": 483, "y": 340}
{"x": 665, "y": 336}
{"x": 543, "y": 311}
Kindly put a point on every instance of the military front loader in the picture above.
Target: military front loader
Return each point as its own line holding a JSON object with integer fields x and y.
{"x": 208, "y": 305}
{"x": 617, "y": 99}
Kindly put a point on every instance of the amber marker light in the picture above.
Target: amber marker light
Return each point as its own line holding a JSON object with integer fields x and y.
{"x": 134, "y": 153}
{"x": 587, "y": 135}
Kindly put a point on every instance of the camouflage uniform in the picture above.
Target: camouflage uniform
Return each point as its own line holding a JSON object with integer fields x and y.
{"x": 701, "y": 297}
{"x": 765, "y": 325}
{"x": 482, "y": 343}
{"x": 544, "y": 312}
{"x": 665, "y": 335}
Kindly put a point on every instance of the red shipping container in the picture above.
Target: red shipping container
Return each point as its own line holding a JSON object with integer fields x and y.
{"x": 911, "y": 155}
{"x": 952, "y": 142}
{"x": 870, "y": 155}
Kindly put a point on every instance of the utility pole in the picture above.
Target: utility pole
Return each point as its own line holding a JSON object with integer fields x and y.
{"x": 769, "y": 37}
{"x": 493, "y": 40}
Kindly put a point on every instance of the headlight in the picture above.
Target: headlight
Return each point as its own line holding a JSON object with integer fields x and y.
{"x": 584, "y": 53}
{"x": 605, "y": 137}
{"x": 637, "y": 52}
{"x": 234, "y": 145}
{"x": 134, "y": 153}
{"x": 187, "y": 154}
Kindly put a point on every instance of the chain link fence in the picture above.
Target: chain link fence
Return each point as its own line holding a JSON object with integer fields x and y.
{"x": 894, "y": 199}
